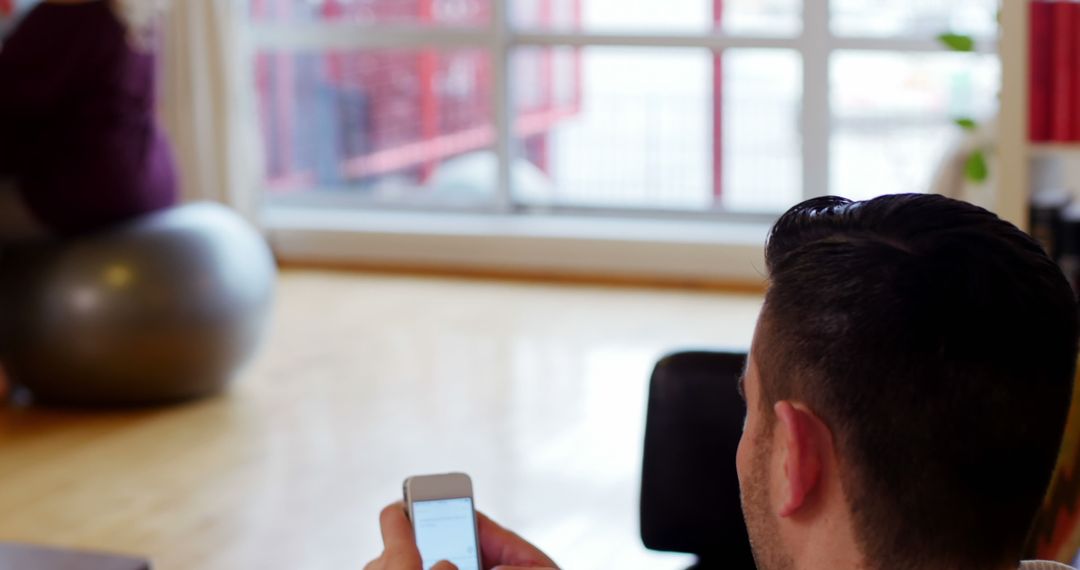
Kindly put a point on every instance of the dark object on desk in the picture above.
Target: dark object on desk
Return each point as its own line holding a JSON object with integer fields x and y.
{"x": 1045, "y": 219}
{"x": 1068, "y": 255}
{"x": 689, "y": 487}
{"x": 27, "y": 557}
{"x": 161, "y": 309}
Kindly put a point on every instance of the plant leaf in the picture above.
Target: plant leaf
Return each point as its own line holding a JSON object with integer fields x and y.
{"x": 966, "y": 123}
{"x": 975, "y": 167}
{"x": 957, "y": 42}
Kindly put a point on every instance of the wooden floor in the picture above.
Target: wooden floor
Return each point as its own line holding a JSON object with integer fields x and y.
{"x": 538, "y": 391}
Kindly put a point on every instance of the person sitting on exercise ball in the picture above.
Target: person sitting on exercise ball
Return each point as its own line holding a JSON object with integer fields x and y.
{"x": 80, "y": 148}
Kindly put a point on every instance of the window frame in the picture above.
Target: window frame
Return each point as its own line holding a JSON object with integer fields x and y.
{"x": 815, "y": 44}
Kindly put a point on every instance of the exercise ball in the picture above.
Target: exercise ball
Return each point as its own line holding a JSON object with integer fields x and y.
{"x": 164, "y": 308}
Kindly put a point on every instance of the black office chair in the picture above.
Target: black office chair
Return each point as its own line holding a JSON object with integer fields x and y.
{"x": 689, "y": 488}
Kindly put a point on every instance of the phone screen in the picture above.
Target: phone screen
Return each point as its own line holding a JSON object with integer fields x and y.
{"x": 445, "y": 531}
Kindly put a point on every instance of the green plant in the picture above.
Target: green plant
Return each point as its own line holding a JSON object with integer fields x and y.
{"x": 976, "y": 167}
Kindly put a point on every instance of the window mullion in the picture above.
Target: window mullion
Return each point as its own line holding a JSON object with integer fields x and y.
{"x": 816, "y": 111}
{"x": 502, "y": 103}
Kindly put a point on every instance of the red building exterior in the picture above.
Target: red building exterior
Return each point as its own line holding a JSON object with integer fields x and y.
{"x": 398, "y": 112}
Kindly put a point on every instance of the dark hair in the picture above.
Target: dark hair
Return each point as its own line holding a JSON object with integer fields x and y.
{"x": 939, "y": 344}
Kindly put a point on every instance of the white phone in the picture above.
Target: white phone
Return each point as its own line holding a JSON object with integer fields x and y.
{"x": 443, "y": 518}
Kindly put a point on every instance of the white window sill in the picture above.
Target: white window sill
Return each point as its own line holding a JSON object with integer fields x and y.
{"x": 655, "y": 250}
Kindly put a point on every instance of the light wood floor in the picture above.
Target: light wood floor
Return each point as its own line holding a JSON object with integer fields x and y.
{"x": 537, "y": 391}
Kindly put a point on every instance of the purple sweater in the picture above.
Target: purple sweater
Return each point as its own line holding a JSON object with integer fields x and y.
{"x": 77, "y": 126}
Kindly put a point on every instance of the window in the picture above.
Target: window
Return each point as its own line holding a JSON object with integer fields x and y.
{"x": 692, "y": 108}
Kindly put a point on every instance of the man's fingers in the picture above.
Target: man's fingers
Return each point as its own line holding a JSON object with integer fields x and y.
{"x": 397, "y": 533}
{"x": 522, "y": 568}
{"x": 496, "y": 543}
{"x": 399, "y": 545}
{"x": 501, "y": 546}
{"x": 444, "y": 565}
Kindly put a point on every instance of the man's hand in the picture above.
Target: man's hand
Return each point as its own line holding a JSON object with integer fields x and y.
{"x": 500, "y": 548}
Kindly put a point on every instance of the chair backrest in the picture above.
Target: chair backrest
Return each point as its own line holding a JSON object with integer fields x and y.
{"x": 689, "y": 487}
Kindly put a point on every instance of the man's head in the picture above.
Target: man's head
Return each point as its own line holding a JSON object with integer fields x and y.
{"x": 907, "y": 388}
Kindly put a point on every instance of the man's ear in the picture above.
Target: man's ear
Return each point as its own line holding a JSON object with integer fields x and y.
{"x": 799, "y": 436}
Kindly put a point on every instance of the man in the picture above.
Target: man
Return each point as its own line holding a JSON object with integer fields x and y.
{"x": 907, "y": 390}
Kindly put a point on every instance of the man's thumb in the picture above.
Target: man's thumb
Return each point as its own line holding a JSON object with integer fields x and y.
{"x": 444, "y": 565}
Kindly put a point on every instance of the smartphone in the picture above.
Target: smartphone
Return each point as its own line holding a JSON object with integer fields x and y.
{"x": 443, "y": 518}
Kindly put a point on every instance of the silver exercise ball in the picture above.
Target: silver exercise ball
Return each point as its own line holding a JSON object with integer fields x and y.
{"x": 160, "y": 309}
